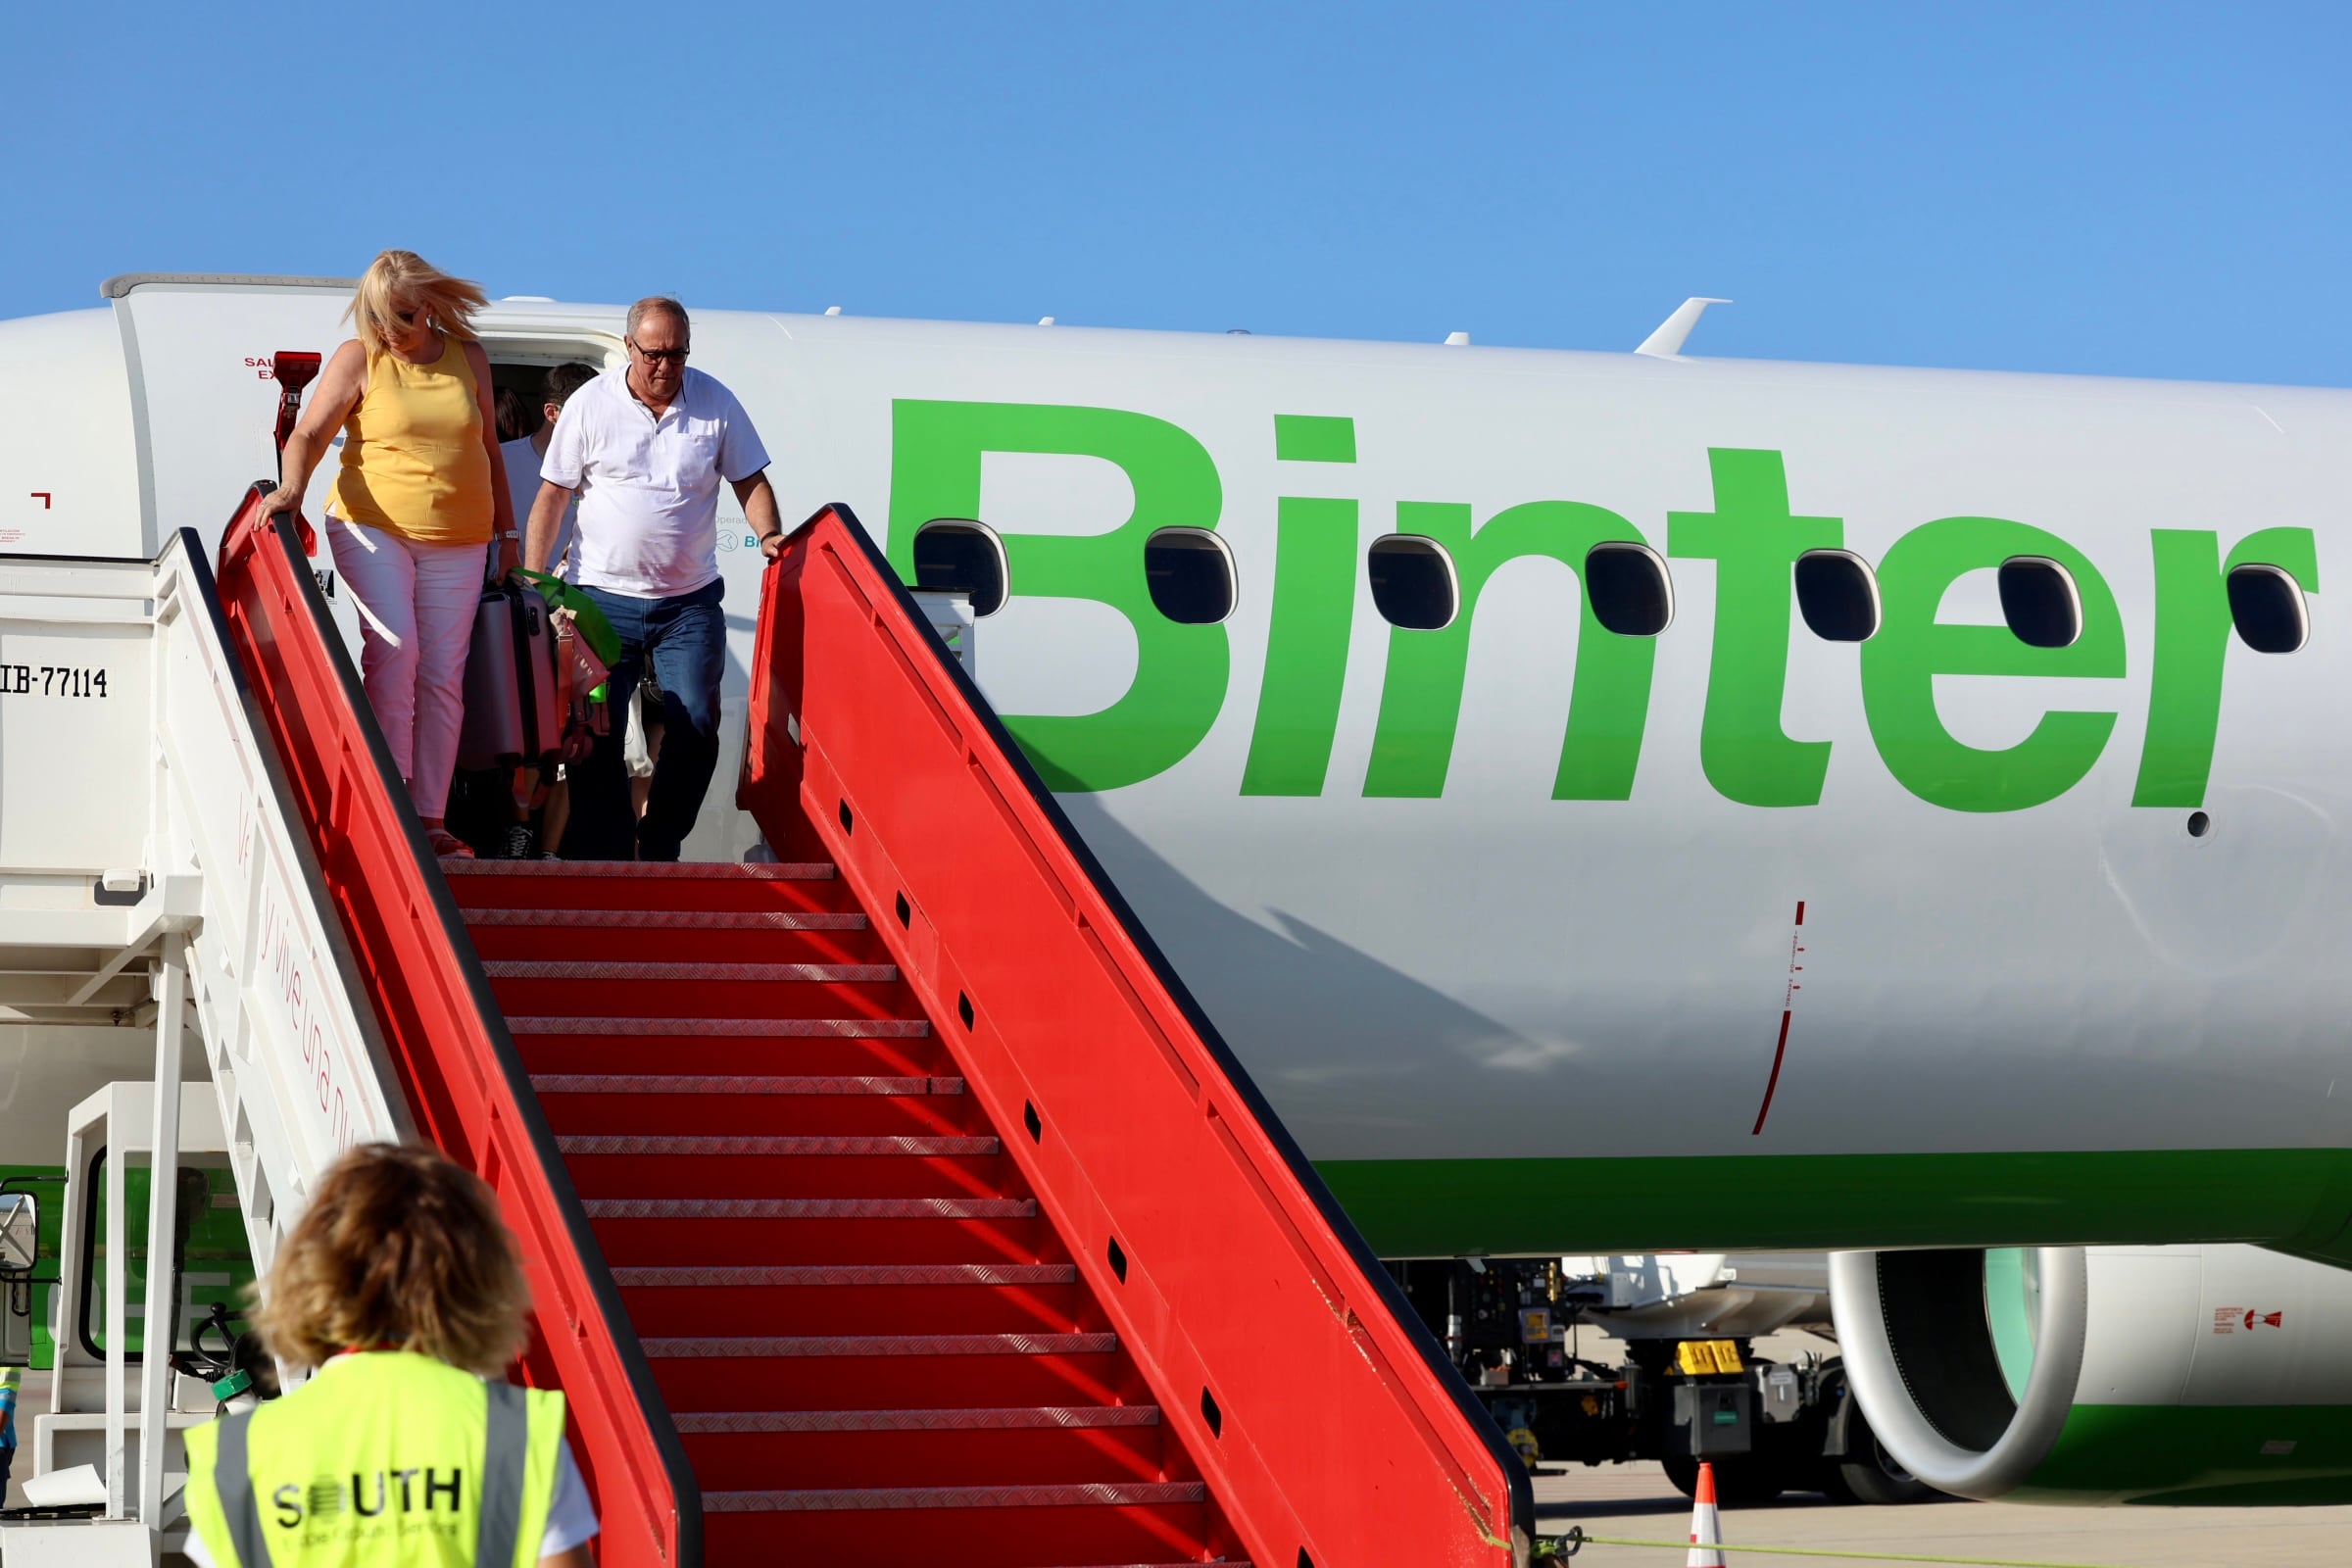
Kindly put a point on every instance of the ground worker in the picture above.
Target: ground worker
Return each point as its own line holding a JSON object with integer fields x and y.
{"x": 10, "y": 1379}
{"x": 407, "y": 1448}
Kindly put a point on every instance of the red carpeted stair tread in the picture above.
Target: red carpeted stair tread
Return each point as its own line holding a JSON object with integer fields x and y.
{"x": 873, "y": 1341}
{"x": 610, "y": 1083}
{"x": 723, "y": 1028}
{"x": 644, "y": 870}
{"x": 765, "y": 1145}
{"x": 1008, "y": 1419}
{"x": 804, "y": 1275}
{"x": 1090, "y": 1494}
{"x": 810, "y": 1208}
{"x": 637, "y": 973}
{"x": 672, "y": 919}
{"x": 792, "y": 1346}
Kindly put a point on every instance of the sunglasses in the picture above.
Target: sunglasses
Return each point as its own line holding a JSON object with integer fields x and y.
{"x": 661, "y": 355}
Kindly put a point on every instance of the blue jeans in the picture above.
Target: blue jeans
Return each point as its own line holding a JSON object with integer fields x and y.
{"x": 686, "y": 639}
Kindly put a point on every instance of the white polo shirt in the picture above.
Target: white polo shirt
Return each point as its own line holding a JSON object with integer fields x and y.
{"x": 649, "y": 487}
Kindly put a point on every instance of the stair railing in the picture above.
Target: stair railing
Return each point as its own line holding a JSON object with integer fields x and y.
{"x": 465, "y": 1081}
{"x": 1325, "y": 1419}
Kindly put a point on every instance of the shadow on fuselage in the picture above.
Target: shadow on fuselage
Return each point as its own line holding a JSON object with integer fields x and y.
{"x": 1356, "y": 1056}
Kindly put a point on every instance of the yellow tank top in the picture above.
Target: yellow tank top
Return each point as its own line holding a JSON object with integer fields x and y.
{"x": 413, "y": 462}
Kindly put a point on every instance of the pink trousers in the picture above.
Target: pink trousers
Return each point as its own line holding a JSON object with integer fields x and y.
{"x": 416, "y": 605}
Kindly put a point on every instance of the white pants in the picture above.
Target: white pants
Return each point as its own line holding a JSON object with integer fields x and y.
{"x": 416, "y": 605}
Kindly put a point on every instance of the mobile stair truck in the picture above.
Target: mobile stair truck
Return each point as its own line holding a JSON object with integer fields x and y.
{"x": 886, "y": 1203}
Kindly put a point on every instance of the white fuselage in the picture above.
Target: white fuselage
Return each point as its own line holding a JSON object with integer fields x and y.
{"x": 1425, "y": 955}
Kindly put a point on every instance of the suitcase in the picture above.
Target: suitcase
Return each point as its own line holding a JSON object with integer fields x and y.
{"x": 513, "y": 712}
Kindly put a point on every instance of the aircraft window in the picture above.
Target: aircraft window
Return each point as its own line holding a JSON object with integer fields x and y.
{"x": 2267, "y": 605}
{"x": 955, "y": 556}
{"x": 1413, "y": 585}
{"x": 1838, "y": 596}
{"x": 2039, "y": 602}
{"x": 1629, "y": 588}
{"x": 1190, "y": 573}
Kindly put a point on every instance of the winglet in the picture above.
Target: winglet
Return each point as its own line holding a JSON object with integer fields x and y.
{"x": 1666, "y": 343}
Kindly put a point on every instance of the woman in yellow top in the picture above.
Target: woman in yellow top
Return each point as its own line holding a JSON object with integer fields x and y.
{"x": 420, "y": 494}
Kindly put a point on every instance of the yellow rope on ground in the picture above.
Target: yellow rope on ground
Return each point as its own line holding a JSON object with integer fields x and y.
{"x": 1815, "y": 1551}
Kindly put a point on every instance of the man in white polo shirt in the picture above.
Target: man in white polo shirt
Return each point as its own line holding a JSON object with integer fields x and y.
{"x": 645, "y": 447}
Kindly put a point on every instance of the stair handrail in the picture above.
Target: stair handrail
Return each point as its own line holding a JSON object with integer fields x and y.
{"x": 1326, "y": 1417}
{"x": 300, "y": 1059}
{"x": 466, "y": 1082}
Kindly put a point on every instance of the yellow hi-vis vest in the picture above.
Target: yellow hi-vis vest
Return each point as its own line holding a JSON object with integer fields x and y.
{"x": 381, "y": 1460}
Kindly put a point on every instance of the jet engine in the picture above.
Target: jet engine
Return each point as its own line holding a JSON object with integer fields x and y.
{"x": 2178, "y": 1375}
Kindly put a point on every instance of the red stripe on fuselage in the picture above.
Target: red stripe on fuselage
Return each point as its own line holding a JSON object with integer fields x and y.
{"x": 1774, "y": 1082}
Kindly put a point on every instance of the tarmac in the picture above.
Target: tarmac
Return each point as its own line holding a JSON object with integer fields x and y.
{"x": 1636, "y": 1500}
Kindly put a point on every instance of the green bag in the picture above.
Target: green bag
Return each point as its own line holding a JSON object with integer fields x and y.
{"x": 588, "y": 623}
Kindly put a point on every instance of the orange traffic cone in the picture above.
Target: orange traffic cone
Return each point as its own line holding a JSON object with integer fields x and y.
{"x": 1707, "y": 1529}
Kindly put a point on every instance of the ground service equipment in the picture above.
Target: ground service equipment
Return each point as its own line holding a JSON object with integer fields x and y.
{"x": 1675, "y": 1376}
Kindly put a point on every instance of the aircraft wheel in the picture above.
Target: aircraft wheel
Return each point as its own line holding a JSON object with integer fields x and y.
{"x": 1870, "y": 1474}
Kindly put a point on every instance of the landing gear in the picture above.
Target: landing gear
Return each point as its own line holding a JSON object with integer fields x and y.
{"x": 1869, "y": 1473}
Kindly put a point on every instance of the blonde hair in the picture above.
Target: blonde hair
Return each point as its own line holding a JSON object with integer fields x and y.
{"x": 399, "y": 1249}
{"x": 448, "y": 303}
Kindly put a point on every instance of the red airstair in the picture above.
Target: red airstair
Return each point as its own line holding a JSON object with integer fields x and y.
{"x": 865, "y": 1329}
{"x": 892, "y": 1204}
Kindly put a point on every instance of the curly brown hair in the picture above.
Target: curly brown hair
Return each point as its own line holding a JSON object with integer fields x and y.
{"x": 399, "y": 1249}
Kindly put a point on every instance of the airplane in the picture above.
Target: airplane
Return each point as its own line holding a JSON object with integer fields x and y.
{"x": 1607, "y": 801}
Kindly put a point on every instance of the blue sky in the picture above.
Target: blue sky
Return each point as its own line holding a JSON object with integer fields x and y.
{"x": 2116, "y": 189}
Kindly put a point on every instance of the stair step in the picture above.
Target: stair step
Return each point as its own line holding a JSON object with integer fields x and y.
{"x": 992, "y": 1445}
{"x": 702, "y": 887}
{"x": 518, "y": 1024}
{"x": 1081, "y": 1495}
{"x": 667, "y": 1144}
{"x": 672, "y": 919}
{"x": 643, "y": 870}
{"x": 854, "y": 1298}
{"x": 810, "y": 1208}
{"x": 702, "y": 1347}
{"x": 786, "y": 1165}
{"x": 702, "y": 1372}
{"x": 729, "y": 936}
{"x": 819, "y": 1275}
{"x": 754, "y": 1104}
{"x": 637, "y": 971}
{"x": 670, "y": 1241}
{"x": 622, "y": 989}
{"x": 981, "y": 1537}
{"x": 609, "y": 1083}
{"x": 736, "y": 1055}
{"x": 1006, "y": 1419}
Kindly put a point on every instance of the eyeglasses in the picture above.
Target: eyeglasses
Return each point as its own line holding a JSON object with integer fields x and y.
{"x": 661, "y": 355}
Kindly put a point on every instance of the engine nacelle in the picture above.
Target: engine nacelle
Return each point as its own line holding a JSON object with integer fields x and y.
{"x": 2178, "y": 1375}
